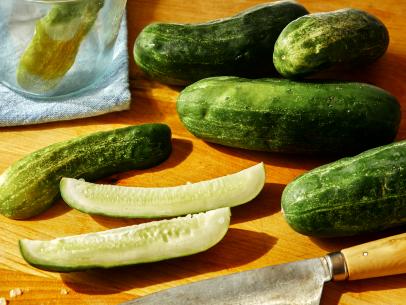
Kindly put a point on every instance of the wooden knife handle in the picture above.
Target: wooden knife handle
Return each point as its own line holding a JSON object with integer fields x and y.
{"x": 381, "y": 257}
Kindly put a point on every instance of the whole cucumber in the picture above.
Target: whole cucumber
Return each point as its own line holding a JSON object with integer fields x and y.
{"x": 240, "y": 45}
{"x": 31, "y": 185}
{"x": 285, "y": 116}
{"x": 312, "y": 43}
{"x": 351, "y": 196}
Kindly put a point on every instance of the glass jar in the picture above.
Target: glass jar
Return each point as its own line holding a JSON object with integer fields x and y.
{"x": 54, "y": 48}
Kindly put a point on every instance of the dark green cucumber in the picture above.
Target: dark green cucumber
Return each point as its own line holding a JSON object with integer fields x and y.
{"x": 315, "y": 42}
{"x": 285, "y": 116}
{"x": 351, "y": 196}
{"x": 240, "y": 45}
{"x": 31, "y": 185}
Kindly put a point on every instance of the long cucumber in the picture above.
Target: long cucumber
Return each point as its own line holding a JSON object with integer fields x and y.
{"x": 280, "y": 115}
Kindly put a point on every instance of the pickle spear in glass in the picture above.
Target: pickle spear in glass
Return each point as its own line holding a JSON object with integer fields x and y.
{"x": 54, "y": 47}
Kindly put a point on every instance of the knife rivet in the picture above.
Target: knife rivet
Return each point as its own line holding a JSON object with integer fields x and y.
{"x": 365, "y": 254}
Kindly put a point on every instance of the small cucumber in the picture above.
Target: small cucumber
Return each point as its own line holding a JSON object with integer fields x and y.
{"x": 315, "y": 42}
{"x": 31, "y": 185}
{"x": 351, "y": 196}
{"x": 131, "y": 202}
{"x": 284, "y": 116}
{"x": 240, "y": 45}
{"x": 143, "y": 243}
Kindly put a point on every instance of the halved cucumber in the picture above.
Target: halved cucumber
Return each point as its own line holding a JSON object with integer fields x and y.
{"x": 121, "y": 201}
{"x": 148, "y": 242}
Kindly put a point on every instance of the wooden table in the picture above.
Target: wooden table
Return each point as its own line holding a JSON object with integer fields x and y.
{"x": 258, "y": 235}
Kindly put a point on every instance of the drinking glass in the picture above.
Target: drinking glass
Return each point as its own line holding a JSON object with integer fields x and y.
{"x": 54, "y": 48}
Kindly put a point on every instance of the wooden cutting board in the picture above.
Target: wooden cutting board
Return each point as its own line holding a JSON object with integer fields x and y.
{"x": 258, "y": 236}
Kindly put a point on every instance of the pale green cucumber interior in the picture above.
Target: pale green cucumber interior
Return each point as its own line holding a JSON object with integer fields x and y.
{"x": 120, "y": 201}
{"x": 148, "y": 242}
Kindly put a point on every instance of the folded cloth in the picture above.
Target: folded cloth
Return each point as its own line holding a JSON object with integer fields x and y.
{"x": 110, "y": 93}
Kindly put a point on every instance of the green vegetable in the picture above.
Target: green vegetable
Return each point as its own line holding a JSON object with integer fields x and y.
{"x": 143, "y": 243}
{"x": 53, "y": 49}
{"x": 31, "y": 185}
{"x": 239, "y": 45}
{"x": 285, "y": 116}
{"x": 354, "y": 195}
{"x": 312, "y": 43}
{"x": 120, "y": 201}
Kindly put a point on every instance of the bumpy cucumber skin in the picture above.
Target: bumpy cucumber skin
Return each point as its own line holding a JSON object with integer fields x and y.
{"x": 315, "y": 42}
{"x": 241, "y": 45}
{"x": 279, "y": 115}
{"x": 361, "y": 194}
{"x": 31, "y": 185}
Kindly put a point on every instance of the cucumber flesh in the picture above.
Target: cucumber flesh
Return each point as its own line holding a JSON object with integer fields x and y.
{"x": 148, "y": 242}
{"x": 121, "y": 201}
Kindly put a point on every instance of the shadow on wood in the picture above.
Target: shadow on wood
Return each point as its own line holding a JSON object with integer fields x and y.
{"x": 296, "y": 161}
{"x": 265, "y": 204}
{"x": 333, "y": 291}
{"x": 57, "y": 209}
{"x": 337, "y": 243}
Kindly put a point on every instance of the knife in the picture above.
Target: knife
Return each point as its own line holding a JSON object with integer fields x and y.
{"x": 296, "y": 283}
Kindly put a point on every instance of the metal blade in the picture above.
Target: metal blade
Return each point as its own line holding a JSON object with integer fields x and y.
{"x": 297, "y": 283}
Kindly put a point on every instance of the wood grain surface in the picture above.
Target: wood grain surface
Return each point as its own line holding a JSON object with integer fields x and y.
{"x": 258, "y": 235}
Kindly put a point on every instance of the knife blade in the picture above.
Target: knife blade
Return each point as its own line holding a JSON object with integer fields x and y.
{"x": 296, "y": 283}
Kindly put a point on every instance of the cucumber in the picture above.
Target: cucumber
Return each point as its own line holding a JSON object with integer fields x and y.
{"x": 356, "y": 195}
{"x": 53, "y": 49}
{"x": 31, "y": 185}
{"x": 240, "y": 45}
{"x": 343, "y": 38}
{"x": 131, "y": 202}
{"x": 280, "y": 115}
{"x": 143, "y": 243}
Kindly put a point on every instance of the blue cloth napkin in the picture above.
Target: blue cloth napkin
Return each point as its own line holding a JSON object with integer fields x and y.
{"x": 110, "y": 93}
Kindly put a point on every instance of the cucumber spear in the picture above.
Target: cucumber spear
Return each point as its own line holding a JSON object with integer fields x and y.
{"x": 53, "y": 49}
